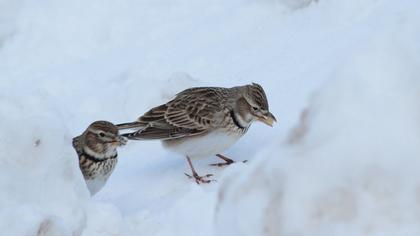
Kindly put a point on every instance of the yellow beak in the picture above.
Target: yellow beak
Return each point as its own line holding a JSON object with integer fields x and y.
{"x": 268, "y": 119}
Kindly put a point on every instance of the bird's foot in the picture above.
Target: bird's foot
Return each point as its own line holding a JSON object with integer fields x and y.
{"x": 200, "y": 179}
{"x": 226, "y": 163}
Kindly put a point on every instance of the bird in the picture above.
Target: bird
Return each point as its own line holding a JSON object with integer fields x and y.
{"x": 97, "y": 152}
{"x": 203, "y": 121}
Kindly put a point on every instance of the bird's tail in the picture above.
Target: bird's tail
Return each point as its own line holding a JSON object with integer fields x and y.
{"x": 134, "y": 135}
{"x": 130, "y": 125}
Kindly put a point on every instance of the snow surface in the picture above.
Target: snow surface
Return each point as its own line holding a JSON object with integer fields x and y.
{"x": 341, "y": 77}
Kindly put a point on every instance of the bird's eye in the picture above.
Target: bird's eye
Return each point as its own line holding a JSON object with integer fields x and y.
{"x": 102, "y": 134}
{"x": 255, "y": 108}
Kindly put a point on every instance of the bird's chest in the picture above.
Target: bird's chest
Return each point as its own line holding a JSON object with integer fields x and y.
{"x": 97, "y": 170}
{"x": 204, "y": 145}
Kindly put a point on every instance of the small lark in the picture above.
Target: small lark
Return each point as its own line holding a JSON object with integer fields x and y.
{"x": 97, "y": 151}
{"x": 203, "y": 121}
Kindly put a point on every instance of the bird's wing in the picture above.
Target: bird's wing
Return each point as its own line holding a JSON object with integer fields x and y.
{"x": 192, "y": 112}
{"x": 194, "y": 109}
{"x": 77, "y": 145}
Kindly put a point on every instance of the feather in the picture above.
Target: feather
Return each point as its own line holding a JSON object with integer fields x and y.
{"x": 190, "y": 113}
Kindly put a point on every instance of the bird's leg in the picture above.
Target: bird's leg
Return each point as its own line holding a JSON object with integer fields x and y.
{"x": 227, "y": 160}
{"x": 198, "y": 179}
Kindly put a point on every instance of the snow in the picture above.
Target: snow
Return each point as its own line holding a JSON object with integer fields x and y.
{"x": 341, "y": 78}
{"x": 351, "y": 170}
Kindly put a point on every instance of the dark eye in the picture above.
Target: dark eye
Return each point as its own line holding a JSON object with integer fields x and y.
{"x": 102, "y": 134}
{"x": 255, "y": 108}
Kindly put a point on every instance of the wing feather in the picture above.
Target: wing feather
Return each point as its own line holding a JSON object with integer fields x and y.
{"x": 190, "y": 113}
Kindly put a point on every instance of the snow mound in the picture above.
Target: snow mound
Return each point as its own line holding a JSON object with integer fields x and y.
{"x": 40, "y": 181}
{"x": 295, "y": 4}
{"x": 349, "y": 166}
{"x": 43, "y": 191}
{"x": 341, "y": 171}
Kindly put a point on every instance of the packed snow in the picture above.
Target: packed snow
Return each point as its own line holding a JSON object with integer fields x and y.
{"x": 342, "y": 78}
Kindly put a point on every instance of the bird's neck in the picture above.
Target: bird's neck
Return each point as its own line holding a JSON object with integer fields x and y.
{"x": 107, "y": 153}
{"x": 242, "y": 114}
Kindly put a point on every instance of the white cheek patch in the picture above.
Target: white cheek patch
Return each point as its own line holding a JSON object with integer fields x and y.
{"x": 247, "y": 120}
{"x": 243, "y": 122}
{"x": 111, "y": 150}
{"x": 93, "y": 153}
{"x": 250, "y": 117}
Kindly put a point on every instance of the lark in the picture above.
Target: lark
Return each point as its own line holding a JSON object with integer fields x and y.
{"x": 97, "y": 151}
{"x": 203, "y": 121}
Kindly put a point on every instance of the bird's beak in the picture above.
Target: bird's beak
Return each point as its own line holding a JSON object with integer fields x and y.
{"x": 268, "y": 119}
{"x": 119, "y": 141}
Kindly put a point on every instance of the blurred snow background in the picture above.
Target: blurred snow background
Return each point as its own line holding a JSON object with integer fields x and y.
{"x": 342, "y": 77}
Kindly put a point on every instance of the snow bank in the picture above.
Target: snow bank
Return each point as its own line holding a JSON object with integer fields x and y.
{"x": 43, "y": 191}
{"x": 41, "y": 187}
{"x": 8, "y": 10}
{"x": 65, "y": 64}
{"x": 294, "y": 4}
{"x": 351, "y": 166}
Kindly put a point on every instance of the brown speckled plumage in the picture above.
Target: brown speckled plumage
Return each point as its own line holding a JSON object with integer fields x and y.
{"x": 96, "y": 149}
{"x": 197, "y": 113}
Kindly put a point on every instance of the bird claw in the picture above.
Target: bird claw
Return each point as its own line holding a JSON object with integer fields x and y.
{"x": 200, "y": 179}
{"x": 222, "y": 164}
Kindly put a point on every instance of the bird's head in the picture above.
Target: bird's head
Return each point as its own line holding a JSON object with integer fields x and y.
{"x": 253, "y": 105}
{"x": 102, "y": 139}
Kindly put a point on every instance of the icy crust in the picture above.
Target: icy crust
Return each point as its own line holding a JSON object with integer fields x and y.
{"x": 351, "y": 165}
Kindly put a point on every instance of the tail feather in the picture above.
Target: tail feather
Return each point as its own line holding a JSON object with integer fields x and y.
{"x": 130, "y": 125}
{"x": 161, "y": 133}
{"x": 148, "y": 133}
